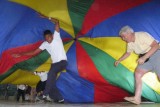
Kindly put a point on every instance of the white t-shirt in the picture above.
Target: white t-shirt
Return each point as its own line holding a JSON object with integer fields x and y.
{"x": 55, "y": 48}
{"x": 43, "y": 75}
{"x": 21, "y": 87}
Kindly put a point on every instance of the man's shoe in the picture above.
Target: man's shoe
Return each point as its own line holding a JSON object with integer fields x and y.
{"x": 59, "y": 101}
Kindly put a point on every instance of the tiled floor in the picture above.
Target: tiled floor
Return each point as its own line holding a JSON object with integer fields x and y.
{"x": 4, "y": 103}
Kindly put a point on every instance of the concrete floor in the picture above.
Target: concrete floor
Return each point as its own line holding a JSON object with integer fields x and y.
{"x": 4, "y": 103}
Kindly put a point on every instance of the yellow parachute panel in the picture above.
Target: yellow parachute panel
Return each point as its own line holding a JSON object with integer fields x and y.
{"x": 21, "y": 76}
{"x": 52, "y": 8}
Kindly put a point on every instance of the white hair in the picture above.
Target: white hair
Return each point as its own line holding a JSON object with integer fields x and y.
{"x": 125, "y": 30}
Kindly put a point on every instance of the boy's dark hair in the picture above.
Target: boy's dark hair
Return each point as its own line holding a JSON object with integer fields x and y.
{"x": 46, "y": 32}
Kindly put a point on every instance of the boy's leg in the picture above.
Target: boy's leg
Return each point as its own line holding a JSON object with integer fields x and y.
{"x": 51, "y": 81}
{"x": 55, "y": 93}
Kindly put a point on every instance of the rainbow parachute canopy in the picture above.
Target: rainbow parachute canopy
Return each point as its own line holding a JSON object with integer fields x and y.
{"x": 89, "y": 30}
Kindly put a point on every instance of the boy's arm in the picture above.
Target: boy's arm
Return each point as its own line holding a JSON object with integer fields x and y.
{"x": 57, "y": 27}
{"x": 27, "y": 53}
{"x": 54, "y": 20}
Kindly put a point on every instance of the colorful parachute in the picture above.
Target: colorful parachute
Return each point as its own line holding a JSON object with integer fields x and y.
{"x": 89, "y": 30}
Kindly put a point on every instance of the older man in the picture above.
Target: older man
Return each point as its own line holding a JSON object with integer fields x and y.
{"x": 146, "y": 47}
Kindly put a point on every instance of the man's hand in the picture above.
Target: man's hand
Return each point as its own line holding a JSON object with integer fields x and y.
{"x": 116, "y": 63}
{"x": 141, "y": 60}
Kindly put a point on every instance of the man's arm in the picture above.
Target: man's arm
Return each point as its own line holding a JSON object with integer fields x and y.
{"x": 154, "y": 48}
{"x": 123, "y": 57}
